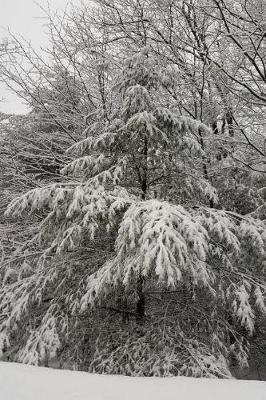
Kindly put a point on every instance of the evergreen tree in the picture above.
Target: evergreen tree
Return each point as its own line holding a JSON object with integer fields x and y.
{"x": 132, "y": 215}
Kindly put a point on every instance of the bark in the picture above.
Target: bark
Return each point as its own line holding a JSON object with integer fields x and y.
{"x": 141, "y": 299}
{"x": 140, "y": 309}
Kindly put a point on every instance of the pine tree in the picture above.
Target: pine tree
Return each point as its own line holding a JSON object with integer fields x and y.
{"x": 133, "y": 205}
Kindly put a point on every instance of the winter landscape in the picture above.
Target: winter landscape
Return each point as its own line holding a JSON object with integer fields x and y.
{"x": 133, "y": 200}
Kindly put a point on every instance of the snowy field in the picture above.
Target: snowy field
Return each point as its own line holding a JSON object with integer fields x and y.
{"x": 21, "y": 382}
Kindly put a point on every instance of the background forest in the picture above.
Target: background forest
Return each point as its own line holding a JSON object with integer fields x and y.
{"x": 132, "y": 201}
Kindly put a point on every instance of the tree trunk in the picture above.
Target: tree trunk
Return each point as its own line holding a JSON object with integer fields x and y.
{"x": 141, "y": 299}
{"x": 140, "y": 310}
{"x": 205, "y": 168}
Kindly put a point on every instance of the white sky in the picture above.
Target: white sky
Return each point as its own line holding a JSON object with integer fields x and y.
{"x": 23, "y": 17}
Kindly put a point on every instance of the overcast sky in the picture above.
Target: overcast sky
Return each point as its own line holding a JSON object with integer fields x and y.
{"x": 23, "y": 17}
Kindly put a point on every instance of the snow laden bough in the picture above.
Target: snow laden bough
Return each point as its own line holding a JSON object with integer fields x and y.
{"x": 201, "y": 249}
{"x": 132, "y": 215}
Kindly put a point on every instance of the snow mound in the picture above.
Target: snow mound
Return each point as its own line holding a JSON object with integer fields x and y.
{"x": 22, "y": 382}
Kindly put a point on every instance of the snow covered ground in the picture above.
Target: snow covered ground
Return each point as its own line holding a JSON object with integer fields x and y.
{"x": 21, "y": 382}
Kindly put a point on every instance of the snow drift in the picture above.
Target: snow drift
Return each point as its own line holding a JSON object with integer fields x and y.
{"x": 22, "y": 382}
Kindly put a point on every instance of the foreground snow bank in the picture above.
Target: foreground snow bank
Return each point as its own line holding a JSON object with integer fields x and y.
{"x": 21, "y": 382}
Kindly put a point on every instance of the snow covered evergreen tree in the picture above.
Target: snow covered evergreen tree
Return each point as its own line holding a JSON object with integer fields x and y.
{"x": 131, "y": 216}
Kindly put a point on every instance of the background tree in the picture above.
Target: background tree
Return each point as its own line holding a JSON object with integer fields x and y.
{"x": 132, "y": 243}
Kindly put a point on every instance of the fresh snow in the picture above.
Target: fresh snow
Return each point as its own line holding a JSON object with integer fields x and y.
{"x": 22, "y": 382}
